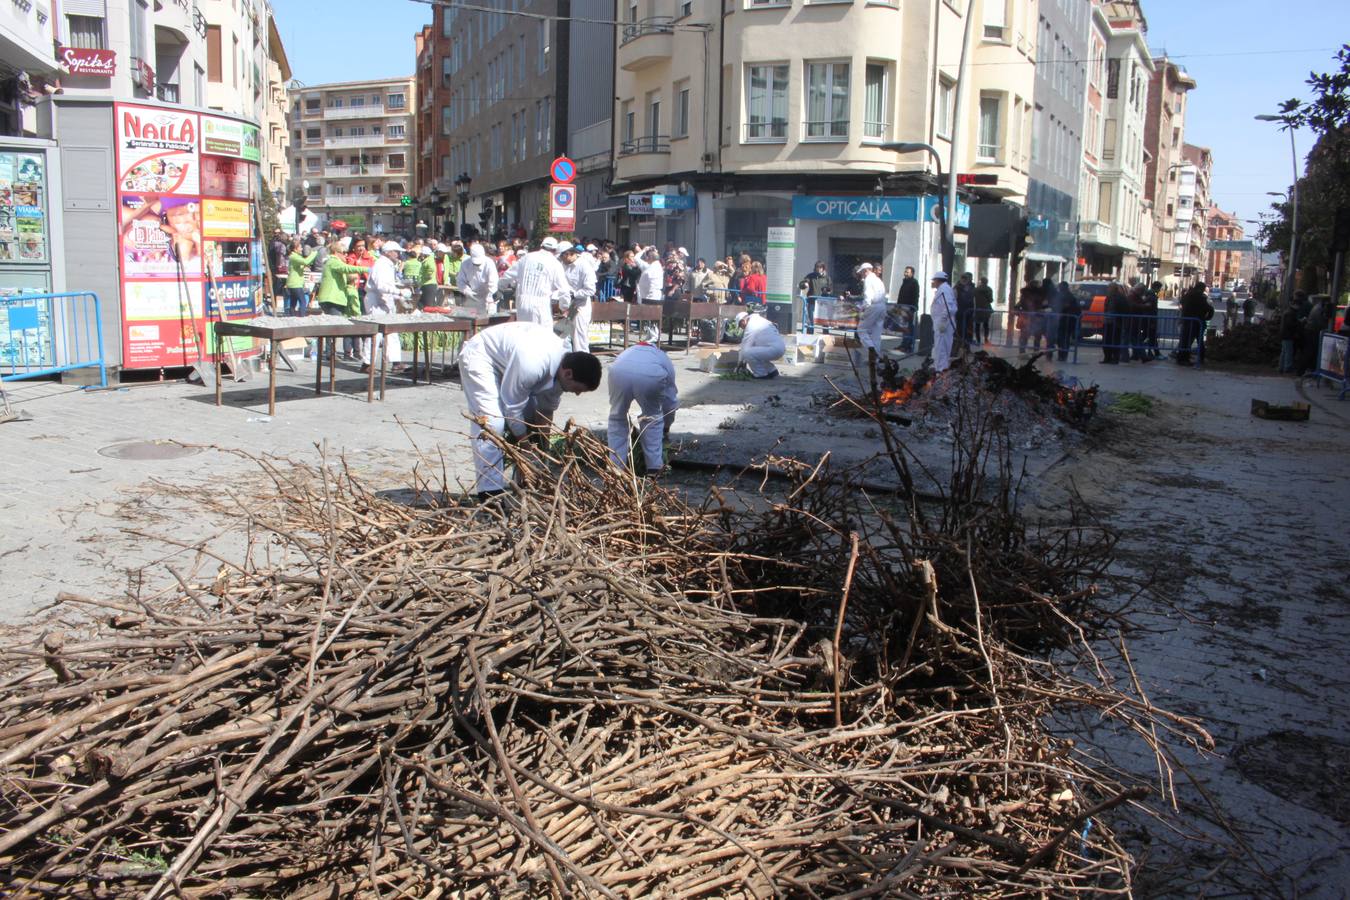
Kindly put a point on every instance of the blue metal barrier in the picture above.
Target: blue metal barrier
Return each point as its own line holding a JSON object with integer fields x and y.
{"x": 46, "y": 334}
{"x": 1124, "y": 337}
{"x": 605, "y": 288}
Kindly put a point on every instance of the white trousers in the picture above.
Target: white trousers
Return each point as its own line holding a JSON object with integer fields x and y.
{"x": 531, "y": 309}
{"x": 581, "y": 327}
{"x": 646, "y": 385}
{"x": 370, "y": 349}
{"x": 942, "y": 349}
{"x": 759, "y": 357}
{"x": 479, "y": 381}
{"x": 871, "y": 324}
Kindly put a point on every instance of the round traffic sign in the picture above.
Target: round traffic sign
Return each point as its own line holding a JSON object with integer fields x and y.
{"x": 563, "y": 170}
{"x": 562, "y": 197}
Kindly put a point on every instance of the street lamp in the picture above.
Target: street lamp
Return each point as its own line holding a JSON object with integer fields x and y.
{"x": 948, "y": 217}
{"x": 436, "y": 197}
{"x": 462, "y": 184}
{"x": 1293, "y": 198}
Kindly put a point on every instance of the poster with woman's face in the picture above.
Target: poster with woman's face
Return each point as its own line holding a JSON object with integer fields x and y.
{"x": 157, "y": 234}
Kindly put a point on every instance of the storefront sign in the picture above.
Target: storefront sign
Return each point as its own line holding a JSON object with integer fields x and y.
{"x": 79, "y": 61}
{"x": 779, "y": 258}
{"x": 873, "y": 209}
{"x": 672, "y": 201}
{"x": 639, "y": 204}
{"x": 931, "y": 205}
{"x": 147, "y": 75}
{"x": 230, "y": 137}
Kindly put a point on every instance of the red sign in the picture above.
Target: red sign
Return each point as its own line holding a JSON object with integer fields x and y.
{"x": 78, "y": 61}
{"x": 562, "y": 207}
{"x": 985, "y": 179}
{"x": 563, "y": 170}
{"x": 147, "y": 75}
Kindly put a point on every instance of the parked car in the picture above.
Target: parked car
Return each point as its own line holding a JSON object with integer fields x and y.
{"x": 1092, "y": 300}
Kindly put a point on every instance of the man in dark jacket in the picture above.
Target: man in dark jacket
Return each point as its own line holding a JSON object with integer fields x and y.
{"x": 816, "y": 283}
{"x": 984, "y": 310}
{"x": 1151, "y": 322}
{"x": 909, "y": 290}
{"x": 965, "y": 309}
{"x": 1290, "y": 331}
{"x": 1195, "y": 314}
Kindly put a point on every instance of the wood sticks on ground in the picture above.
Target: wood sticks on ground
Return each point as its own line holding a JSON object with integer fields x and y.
{"x": 585, "y": 688}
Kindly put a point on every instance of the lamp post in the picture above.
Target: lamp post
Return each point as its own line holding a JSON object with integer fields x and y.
{"x": 462, "y": 184}
{"x": 1293, "y": 199}
{"x": 948, "y": 217}
{"x": 436, "y": 197}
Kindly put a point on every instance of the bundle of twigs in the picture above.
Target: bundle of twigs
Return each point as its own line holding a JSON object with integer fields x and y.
{"x": 588, "y": 688}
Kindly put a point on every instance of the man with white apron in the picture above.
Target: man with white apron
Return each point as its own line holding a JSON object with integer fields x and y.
{"x": 540, "y": 283}
{"x": 944, "y": 321}
{"x": 643, "y": 373}
{"x": 581, "y": 279}
{"x": 872, "y": 320}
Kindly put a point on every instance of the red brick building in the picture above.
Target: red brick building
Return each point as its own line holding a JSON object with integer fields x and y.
{"x": 1224, "y": 265}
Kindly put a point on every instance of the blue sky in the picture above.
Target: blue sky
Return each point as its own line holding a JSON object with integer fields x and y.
{"x": 1247, "y": 55}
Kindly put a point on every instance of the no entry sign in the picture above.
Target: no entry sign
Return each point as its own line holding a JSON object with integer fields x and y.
{"x": 563, "y": 170}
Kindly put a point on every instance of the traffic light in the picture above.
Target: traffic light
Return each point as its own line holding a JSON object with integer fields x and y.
{"x": 405, "y": 200}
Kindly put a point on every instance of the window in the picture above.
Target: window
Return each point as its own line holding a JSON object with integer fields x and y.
{"x": 312, "y": 135}
{"x": 85, "y": 32}
{"x": 522, "y": 138}
{"x": 312, "y": 164}
{"x": 447, "y": 120}
{"x": 1104, "y": 204}
{"x": 311, "y": 103}
{"x": 515, "y": 131}
{"x": 996, "y": 20}
{"x": 946, "y": 100}
{"x": 1112, "y": 79}
{"x": 766, "y": 103}
{"x": 632, "y": 12}
{"x": 356, "y": 103}
{"x": 987, "y": 149}
{"x": 396, "y": 131}
{"x": 827, "y": 101}
{"x": 628, "y": 119}
{"x": 213, "y": 74}
{"x": 686, "y": 8}
{"x": 680, "y": 126}
{"x": 543, "y": 45}
{"x": 653, "y": 115}
{"x": 874, "y": 102}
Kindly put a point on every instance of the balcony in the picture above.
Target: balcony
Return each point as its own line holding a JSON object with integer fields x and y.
{"x": 167, "y": 92}
{"x": 645, "y": 156}
{"x": 397, "y": 138}
{"x": 358, "y": 140}
{"x": 339, "y": 113}
{"x": 646, "y": 43}
{"x": 352, "y": 171}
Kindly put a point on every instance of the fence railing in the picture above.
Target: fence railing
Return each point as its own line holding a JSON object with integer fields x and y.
{"x": 47, "y": 334}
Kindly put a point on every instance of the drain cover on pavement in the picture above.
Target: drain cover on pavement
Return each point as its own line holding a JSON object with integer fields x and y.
{"x": 148, "y": 450}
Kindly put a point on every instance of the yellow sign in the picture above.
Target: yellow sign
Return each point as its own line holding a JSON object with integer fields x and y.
{"x": 225, "y": 219}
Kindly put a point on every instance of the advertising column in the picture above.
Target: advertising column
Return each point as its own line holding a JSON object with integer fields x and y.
{"x": 779, "y": 258}
{"x": 185, "y": 228}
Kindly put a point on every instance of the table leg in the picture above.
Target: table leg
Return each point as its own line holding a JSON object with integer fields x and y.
{"x": 384, "y": 352}
{"x": 318, "y": 370}
{"x": 272, "y": 380}
{"x": 415, "y": 343}
{"x": 217, "y": 368}
{"x": 332, "y": 365}
{"x": 370, "y": 376}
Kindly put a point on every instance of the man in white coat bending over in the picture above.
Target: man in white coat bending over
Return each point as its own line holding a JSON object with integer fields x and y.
{"x": 761, "y": 344}
{"x": 944, "y": 321}
{"x": 514, "y": 375}
{"x": 581, "y": 278}
{"x": 872, "y": 321}
{"x": 540, "y": 283}
{"x": 477, "y": 280}
{"x": 643, "y": 373}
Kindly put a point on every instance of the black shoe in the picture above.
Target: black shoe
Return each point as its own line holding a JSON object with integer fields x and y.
{"x": 365, "y": 368}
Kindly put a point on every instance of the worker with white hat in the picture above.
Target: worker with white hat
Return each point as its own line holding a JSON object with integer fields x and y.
{"x": 540, "y": 283}
{"x": 477, "y": 280}
{"x": 872, "y": 319}
{"x": 761, "y": 344}
{"x": 384, "y": 290}
{"x": 944, "y": 321}
{"x": 577, "y": 307}
{"x": 642, "y": 373}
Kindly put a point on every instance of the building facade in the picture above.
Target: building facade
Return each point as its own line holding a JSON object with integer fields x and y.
{"x": 772, "y": 115}
{"x": 277, "y": 149}
{"x": 352, "y": 149}
{"x": 28, "y": 64}
{"x": 1164, "y": 137}
{"x": 1113, "y": 230}
{"x": 1062, "y": 55}
{"x": 1225, "y": 267}
{"x": 1192, "y": 214}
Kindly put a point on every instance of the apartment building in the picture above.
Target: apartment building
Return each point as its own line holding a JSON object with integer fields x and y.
{"x": 28, "y": 51}
{"x": 1115, "y": 225}
{"x": 1164, "y": 135}
{"x": 1192, "y": 215}
{"x": 1225, "y": 266}
{"x": 276, "y": 133}
{"x": 772, "y": 114}
{"x": 1062, "y": 63}
{"x": 352, "y": 148}
{"x": 502, "y": 105}
{"x": 431, "y": 202}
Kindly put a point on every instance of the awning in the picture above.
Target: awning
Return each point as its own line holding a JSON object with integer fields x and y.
{"x": 607, "y": 204}
{"x": 1033, "y": 256}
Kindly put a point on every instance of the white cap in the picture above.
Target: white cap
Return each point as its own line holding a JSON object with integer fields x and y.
{"x": 591, "y": 248}
{"x": 865, "y": 267}
{"x": 477, "y": 253}
{"x": 549, "y": 244}
{"x": 684, "y": 252}
{"x": 742, "y": 316}
{"x": 940, "y": 276}
{"x": 565, "y": 246}
{"x": 391, "y": 245}
{"x": 424, "y": 251}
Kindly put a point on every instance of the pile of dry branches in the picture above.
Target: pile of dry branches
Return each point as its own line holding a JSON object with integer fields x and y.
{"x": 588, "y": 688}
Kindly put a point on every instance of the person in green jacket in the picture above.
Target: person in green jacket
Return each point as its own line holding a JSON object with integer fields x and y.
{"x": 337, "y": 294}
{"x": 412, "y": 269}
{"x": 450, "y": 263}
{"x": 297, "y": 298}
{"x": 431, "y": 295}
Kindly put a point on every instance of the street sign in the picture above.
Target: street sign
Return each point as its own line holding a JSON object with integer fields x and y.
{"x": 563, "y": 170}
{"x": 639, "y": 204}
{"x": 1240, "y": 246}
{"x": 562, "y": 207}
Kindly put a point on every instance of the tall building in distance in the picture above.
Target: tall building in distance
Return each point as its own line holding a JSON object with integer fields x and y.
{"x": 1062, "y": 60}
{"x": 1193, "y": 212}
{"x": 276, "y": 134}
{"x": 1115, "y": 227}
{"x": 1225, "y": 266}
{"x": 352, "y": 146}
{"x": 1164, "y": 136}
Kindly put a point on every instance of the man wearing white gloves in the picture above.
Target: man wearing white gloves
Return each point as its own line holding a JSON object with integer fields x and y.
{"x": 761, "y": 344}
{"x": 477, "y": 280}
{"x": 540, "y": 283}
{"x": 384, "y": 287}
{"x": 944, "y": 321}
{"x": 581, "y": 278}
{"x": 872, "y": 320}
{"x": 643, "y": 373}
{"x": 514, "y": 375}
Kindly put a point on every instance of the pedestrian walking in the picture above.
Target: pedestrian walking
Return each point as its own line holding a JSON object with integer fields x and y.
{"x": 642, "y": 374}
{"x": 297, "y": 297}
{"x": 1291, "y": 329}
{"x": 1196, "y": 312}
{"x": 1114, "y": 314}
{"x": 1030, "y": 302}
{"x": 1066, "y": 319}
{"x": 965, "y": 311}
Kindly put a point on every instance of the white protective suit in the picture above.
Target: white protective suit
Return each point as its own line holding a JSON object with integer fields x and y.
{"x": 944, "y": 326}
{"x": 581, "y": 279}
{"x": 477, "y": 280}
{"x": 540, "y": 282}
{"x": 508, "y": 373}
{"x": 383, "y": 286}
{"x": 651, "y": 282}
{"x": 760, "y": 346}
{"x": 873, "y": 318}
{"x": 643, "y": 373}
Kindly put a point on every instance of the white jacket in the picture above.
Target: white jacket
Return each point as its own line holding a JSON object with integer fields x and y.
{"x": 944, "y": 307}
{"x": 539, "y": 280}
{"x": 581, "y": 279}
{"x": 478, "y": 280}
{"x": 650, "y": 283}
{"x": 525, "y": 358}
{"x": 874, "y": 290}
{"x": 383, "y": 286}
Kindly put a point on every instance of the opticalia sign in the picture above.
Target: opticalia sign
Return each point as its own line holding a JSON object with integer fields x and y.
{"x": 857, "y": 209}
{"x": 79, "y": 61}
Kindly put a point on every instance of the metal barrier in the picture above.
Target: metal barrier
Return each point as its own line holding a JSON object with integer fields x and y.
{"x": 605, "y": 288}
{"x": 47, "y": 334}
{"x": 1124, "y": 337}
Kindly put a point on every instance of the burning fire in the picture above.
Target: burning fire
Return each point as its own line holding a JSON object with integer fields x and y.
{"x": 897, "y": 396}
